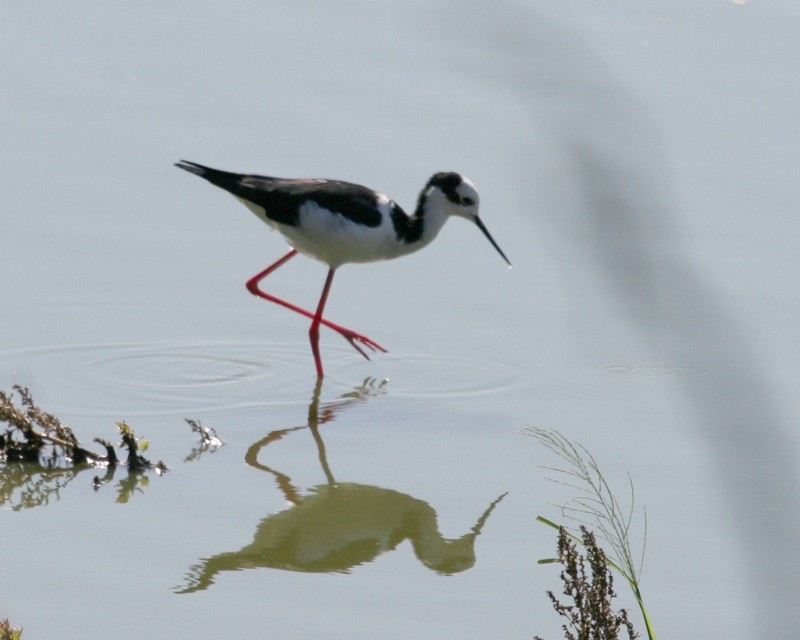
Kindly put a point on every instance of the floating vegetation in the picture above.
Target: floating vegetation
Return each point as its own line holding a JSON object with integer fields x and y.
{"x": 36, "y": 436}
{"x": 209, "y": 440}
{"x": 591, "y": 615}
{"x": 595, "y": 507}
{"x": 42, "y": 455}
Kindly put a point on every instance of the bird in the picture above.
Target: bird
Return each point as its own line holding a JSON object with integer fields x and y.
{"x": 338, "y": 222}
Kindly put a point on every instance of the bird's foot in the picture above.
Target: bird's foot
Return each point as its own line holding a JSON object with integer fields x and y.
{"x": 356, "y": 341}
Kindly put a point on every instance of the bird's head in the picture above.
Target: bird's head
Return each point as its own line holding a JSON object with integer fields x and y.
{"x": 458, "y": 196}
{"x": 453, "y": 192}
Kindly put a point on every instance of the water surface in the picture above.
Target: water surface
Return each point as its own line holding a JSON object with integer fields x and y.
{"x": 636, "y": 162}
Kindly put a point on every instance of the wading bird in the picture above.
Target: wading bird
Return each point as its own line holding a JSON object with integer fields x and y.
{"x": 339, "y": 222}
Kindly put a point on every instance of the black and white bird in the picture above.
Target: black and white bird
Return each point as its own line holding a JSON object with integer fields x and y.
{"x": 338, "y": 222}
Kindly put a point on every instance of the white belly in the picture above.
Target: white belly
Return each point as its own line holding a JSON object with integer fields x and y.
{"x": 334, "y": 239}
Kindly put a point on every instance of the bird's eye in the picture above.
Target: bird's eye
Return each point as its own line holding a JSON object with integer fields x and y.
{"x": 467, "y": 201}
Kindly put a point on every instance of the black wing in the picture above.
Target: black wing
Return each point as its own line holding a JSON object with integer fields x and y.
{"x": 281, "y": 198}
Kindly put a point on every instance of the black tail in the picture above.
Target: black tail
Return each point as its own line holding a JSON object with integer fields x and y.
{"x": 222, "y": 179}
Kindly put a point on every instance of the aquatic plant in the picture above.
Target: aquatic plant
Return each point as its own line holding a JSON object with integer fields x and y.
{"x": 209, "y": 440}
{"x": 591, "y": 616}
{"x": 7, "y": 632}
{"x": 595, "y": 507}
{"x": 33, "y": 435}
{"x": 42, "y": 454}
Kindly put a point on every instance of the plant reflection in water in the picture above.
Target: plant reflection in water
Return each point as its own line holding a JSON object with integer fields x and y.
{"x": 336, "y": 526}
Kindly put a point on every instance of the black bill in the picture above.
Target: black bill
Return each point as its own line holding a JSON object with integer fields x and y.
{"x": 483, "y": 228}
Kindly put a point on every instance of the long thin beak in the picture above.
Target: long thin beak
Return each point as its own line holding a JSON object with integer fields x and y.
{"x": 483, "y": 228}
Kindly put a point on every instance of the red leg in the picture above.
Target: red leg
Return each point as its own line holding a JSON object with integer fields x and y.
{"x": 355, "y": 339}
{"x": 313, "y": 332}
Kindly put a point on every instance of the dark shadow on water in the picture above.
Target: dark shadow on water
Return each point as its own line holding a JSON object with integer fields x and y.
{"x": 336, "y": 526}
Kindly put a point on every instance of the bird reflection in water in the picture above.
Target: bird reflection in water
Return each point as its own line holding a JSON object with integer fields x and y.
{"x": 338, "y": 525}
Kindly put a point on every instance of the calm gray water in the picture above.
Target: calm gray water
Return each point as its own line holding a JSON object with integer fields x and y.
{"x": 637, "y": 162}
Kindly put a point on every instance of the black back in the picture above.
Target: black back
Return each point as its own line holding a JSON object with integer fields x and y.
{"x": 281, "y": 198}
